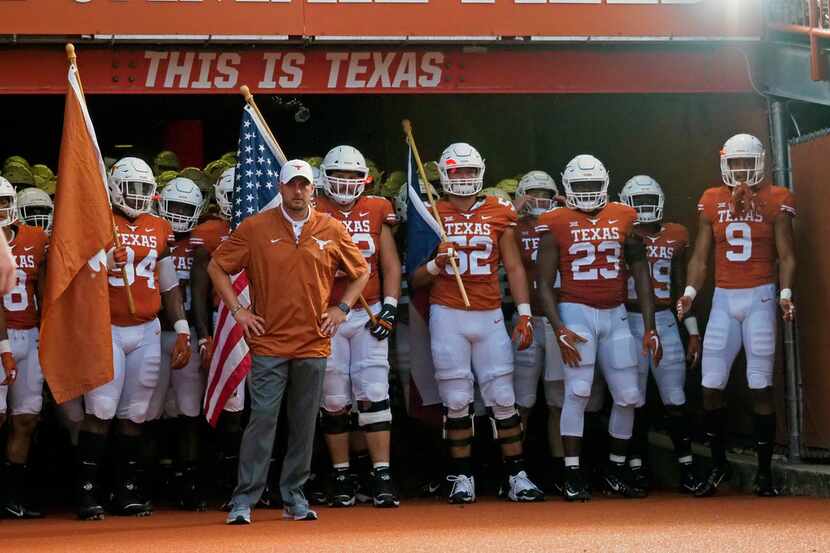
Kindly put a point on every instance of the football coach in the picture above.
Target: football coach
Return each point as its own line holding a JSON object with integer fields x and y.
{"x": 291, "y": 254}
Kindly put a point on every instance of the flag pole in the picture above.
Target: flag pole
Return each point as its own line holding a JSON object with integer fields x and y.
{"x": 407, "y": 129}
{"x": 73, "y": 59}
{"x": 249, "y": 99}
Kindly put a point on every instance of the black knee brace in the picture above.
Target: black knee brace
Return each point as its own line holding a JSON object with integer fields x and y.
{"x": 510, "y": 423}
{"x": 334, "y": 423}
{"x": 461, "y": 423}
{"x": 375, "y": 417}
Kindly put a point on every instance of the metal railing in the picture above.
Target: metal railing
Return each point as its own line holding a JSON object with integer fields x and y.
{"x": 810, "y": 18}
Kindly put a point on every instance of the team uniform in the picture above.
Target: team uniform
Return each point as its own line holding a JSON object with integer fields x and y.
{"x": 467, "y": 341}
{"x": 358, "y": 367}
{"x": 591, "y": 304}
{"x": 745, "y": 303}
{"x": 25, "y": 395}
{"x": 136, "y": 343}
{"x": 670, "y": 374}
{"x": 179, "y": 392}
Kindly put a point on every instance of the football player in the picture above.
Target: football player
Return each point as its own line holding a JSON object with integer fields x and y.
{"x": 588, "y": 242}
{"x": 35, "y": 208}
{"x": 749, "y": 223}
{"x": 358, "y": 368}
{"x": 468, "y": 341}
{"x": 178, "y": 395}
{"x": 22, "y": 390}
{"x": 666, "y": 245}
{"x": 210, "y": 234}
{"x": 142, "y": 259}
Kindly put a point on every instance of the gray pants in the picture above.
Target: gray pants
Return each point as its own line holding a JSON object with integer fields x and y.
{"x": 301, "y": 382}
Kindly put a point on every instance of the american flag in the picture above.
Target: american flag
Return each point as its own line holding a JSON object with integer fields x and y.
{"x": 259, "y": 159}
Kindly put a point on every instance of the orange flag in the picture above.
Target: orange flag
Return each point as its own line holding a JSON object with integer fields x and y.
{"x": 75, "y": 332}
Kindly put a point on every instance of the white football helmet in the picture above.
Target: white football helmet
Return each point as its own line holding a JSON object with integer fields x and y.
{"x": 456, "y": 156}
{"x": 8, "y": 214}
{"x": 645, "y": 195}
{"x": 180, "y": 203}
{"x": 35, "y": 208}
{"x": 223, "y": 191}
{"x": 318, "y": 180}
{"x": 537, "y": 180}
{"x": 742, "y": 146}
{"x": 344, "y": 158}
{"x": 585, "y": 169}
{"x": 132, "y": 186}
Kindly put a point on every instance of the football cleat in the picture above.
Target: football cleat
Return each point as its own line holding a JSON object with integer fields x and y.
{"x": 89, "y": 508}
{"x": 128, "y": 501}
{"x": 716, "y": 476}
{"x": 190, "y": 496}
{"x": 522, "y": 489}
{"x": 615, "y": 483}
{"x": 13, "y": 504}
{"x": 639, "y": 477}
{"x": 689, "y": 482}
{"x": 316, "y": 490}
{"x": 463, "y": 489}
{"x": 430, "y": 488}
{"x": 342, "y": 493}
{"x": 576, "y": 488}
{"x": 763, "y": 486}
{"x": 383, "y": 489}
{"x": 362, "y": 487}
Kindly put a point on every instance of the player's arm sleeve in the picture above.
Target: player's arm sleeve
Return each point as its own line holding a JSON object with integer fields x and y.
{"x": 234, "y": 254}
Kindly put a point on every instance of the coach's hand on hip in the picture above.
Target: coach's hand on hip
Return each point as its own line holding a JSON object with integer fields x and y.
{"x": 252, "y": 324}
{"x": 331, "y": 320}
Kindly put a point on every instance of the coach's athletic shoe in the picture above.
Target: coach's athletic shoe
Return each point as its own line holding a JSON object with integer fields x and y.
{"x": 716, "y": 476}
{"x": 240, "y": 514}
{"x": 463, "y": 488}
{"x": 342, "y": 492}
{"x": 308, "y": 514}
{"x": 616, "y": 482}
{"x": 523, "y": 489}
{"x": 128, "y": 501}
{"x": 384, "y": 493}
{"x": 763, "y": 485}
{"x": 576, "y": 488}
{"x": 689, "y": 482}
{"x": 89, "y": 508}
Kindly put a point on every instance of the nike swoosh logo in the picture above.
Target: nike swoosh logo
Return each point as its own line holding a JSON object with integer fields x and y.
{"x": 564, "y": 340}
{"x": 485, "y": 217}
{"x": 670, "y": 241}
{"x": 765, "y": 300}
{"x": 275, "y": 241}
{"x": 612, "y": 221}
{"x": 433, "y": 487}
{"x": 497, "y": 321}
{"x": 28, "y": 248}
{"x": 363, "y": 213}
{"x": 148, "y": 229}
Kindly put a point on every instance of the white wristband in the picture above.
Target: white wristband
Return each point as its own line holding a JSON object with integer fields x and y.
{"x": 691, "y": 326}
{"x": 432, "y": 268}
{"x": 5, "y": 346}
{"x": 391, "y": 301}
{"x": 786, "y": 294}
{"x": 690, "y": 291}
{"x": 524, "y": 309}
{"x": 181, "y": 327}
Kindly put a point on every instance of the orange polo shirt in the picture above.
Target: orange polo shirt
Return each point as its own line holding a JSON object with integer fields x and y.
{"x": 290, "y": 280}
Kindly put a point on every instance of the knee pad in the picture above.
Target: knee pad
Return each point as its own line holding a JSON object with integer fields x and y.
{"x": 675, "y": 397}
{"x": 572, "y": 420}
{"x": 758, "y": 379}
{"x": 335, "y": 403}
{"x": 377, "y": 391}
{"x": 459, "y": 419}
{"x": 555, "y": 393}
{"x": 498, "y": 392}
{"x": 334, "y": 423}
{"x": 102, "y": 408}
{"x": 713, "y": 377}
{"x": 629, "y": 397}
{"x": 621, "y": 422}
{"x": 578, "y": 388}
{"x": 457, "y": 393}
{"x": 375, "y": 417}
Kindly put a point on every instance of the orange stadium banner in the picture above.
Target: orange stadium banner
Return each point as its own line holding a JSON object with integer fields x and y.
{"x": 75, "y": 335}
{"x": 363, "y": 19}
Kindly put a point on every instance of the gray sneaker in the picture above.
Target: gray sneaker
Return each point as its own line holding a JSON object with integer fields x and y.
{"x": 297, "y": 507}
{"x": 307, "y": 514}
{"x": 240, "y": 514}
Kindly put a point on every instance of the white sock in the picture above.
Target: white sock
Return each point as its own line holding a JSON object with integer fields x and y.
{"x": 341, "y": 466}
{"x": 572, "y": 461}
{"x": 380, "y": 465}
{"x": 618, "y": 459}
{"x": 635, "y": 463}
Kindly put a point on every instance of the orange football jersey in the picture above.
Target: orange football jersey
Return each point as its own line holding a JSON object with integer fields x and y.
{"x": 145, "y": 239}
{"x": 528, "y": 236}
{"x": 29, "y": 252}
{"x": 363, "y": 222}
{"x": 181, "y": 250}
{"x": 661, "y": 248}
{"x": 212, "y": 232}
{"x": 476, "y": 235}
{"x": 591, "y": 264}
{"x": 745, "y": 252}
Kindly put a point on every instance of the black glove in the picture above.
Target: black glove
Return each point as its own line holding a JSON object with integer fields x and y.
{"x": 384, "y": 322}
